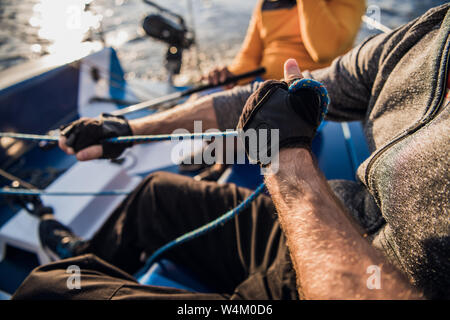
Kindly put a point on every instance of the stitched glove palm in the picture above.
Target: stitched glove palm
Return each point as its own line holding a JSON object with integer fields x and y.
{"x": 83, "y": 133}
{"x": 296, "y": 111}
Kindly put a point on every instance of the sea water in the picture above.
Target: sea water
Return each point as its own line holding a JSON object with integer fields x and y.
{"x": 30, "y": 29}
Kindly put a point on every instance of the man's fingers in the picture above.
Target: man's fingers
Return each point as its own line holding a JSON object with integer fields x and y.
{"x": 291, "y": 71}
{"x": 90, "y": 153}
{"x": 216, "y": 77}
{"x": 62, "y": 144}
{"x": 223, "y": 75}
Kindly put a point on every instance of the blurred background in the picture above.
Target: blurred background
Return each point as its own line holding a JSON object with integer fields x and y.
{"x": 30, "y": 29}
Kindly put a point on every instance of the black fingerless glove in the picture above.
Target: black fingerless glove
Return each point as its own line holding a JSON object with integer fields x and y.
{"x": 295, "y": 110}
{"x": 83, "y": 133}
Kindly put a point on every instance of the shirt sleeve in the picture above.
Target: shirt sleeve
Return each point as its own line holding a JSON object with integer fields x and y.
{"x": 250, "y": 54}
{"x": 228, "y": 104}
{"x": 328, "y": 28}
{"x": 349, "y": 79}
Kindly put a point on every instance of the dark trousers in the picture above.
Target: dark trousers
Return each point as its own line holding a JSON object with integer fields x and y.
{"x": 245, "y": 259}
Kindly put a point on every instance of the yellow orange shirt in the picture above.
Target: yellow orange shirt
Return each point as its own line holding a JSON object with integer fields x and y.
{"x": 313, "y": 32}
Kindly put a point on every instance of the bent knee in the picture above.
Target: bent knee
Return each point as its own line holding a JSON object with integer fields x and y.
{"x": 82, "y": 277}
{"x": 161, "y": 183}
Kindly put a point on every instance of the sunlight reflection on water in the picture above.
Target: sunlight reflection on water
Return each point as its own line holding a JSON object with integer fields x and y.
{"x": 64, "y": 23}
{"x": 33, "y": 28}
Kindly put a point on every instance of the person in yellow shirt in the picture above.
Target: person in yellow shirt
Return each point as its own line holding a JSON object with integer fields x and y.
{"x": 313, "y": 32}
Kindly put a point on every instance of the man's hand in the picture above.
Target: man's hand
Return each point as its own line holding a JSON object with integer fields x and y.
{"x": 85, "y": 137}
{"x": 328, "y": 250}
{"x": 219, "y": 75}
{"x": 295, "y": 111}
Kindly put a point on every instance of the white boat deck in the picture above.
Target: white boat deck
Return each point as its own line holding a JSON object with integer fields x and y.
{"x": 85, "y": 214}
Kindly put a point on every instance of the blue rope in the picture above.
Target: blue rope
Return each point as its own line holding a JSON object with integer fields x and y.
{"x": 141, "y": 138}
{"x": 25, "y": 136}
{"x": 35, "y": 192}
{"x": 296, "y": 85}
{"x": 318, "y": 88}
{"x": 202, "y": 230}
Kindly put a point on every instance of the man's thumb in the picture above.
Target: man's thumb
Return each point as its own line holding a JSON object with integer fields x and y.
{"x": 291, "y": 71}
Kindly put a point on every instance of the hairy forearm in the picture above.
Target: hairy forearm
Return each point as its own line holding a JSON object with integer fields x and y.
{"x": 179, "y": 117}
{"x": 328, "y": 250}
